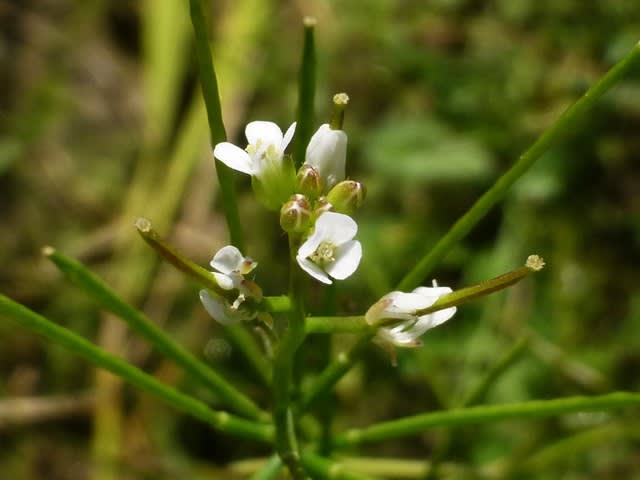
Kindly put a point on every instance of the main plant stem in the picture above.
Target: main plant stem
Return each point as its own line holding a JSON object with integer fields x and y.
{"x": 286, "y": 442}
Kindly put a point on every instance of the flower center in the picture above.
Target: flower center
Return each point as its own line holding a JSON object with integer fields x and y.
{"x": 263, "y": 152}
{"x": 324, "y": 254}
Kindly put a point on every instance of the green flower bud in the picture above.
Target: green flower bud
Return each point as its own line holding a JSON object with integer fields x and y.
{"x": 295, "y": 215}
{"x": 347, "y": 196}
{"x": 322, "y": 205}
{"x": 310, "y": 182}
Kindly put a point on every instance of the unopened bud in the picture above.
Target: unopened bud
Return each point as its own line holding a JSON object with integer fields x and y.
{"x": 347, "y": 196}
{"x": 310, "y": 182}
{"x": 295, "y": 215}
{"x": 322, "y": 205}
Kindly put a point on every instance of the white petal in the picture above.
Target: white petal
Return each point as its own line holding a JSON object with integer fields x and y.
{"x": 225, "y": 281}
{"x": 410, "y": 302}
{"x": 432, "y": 292}
{"x": 218, "y": 309}
{"x": 439, "y": 317}
{"x": 287, "y": 137}
{"x": 398, "y": 336}
{"x": 314, "y": 270}
{"x": 335, "y": 227}
{"x": 348, "y": 257}
{"x": 310, "y": 245}
{"x": 268, "y": 132}
{"x": 234, "y": 157}
{"x": 327, "y": 151}
{"x": 228, "y": 259}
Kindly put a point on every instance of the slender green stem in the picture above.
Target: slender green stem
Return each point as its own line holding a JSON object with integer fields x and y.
{"x": 99, "y": 291}
{"x": 306, "y": 92}
{"x": 178, "y": 260}
{"x": 276, "y": 304}
{"x": 359, "y": 324}
{"x": 477, "y": 393}
{"x": 348, "y": 324}
{"x": 246, "y": 343}
{"x": 324, "y": 468}
{"x": 474, "y": 396}
{"x": 270, "y": 471}
{"x": 286, "y": 442}
{"x": 200, "y": 275}
{"x": 221, "y": 421}
{"x": 564, "y": 125}
{"x": 218, "y": 134}
{"x": 485, "y": 414}
{"x": 332, "y": 374}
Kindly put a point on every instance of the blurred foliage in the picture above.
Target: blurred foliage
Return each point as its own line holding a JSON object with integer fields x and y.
{"x": 445, "y": 95}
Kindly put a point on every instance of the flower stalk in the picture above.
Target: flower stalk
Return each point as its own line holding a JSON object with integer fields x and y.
{"x": 306, "y": 91}
{"x": 561, "y": 127}
{"x": 221, "y": 421}
{"x": 211, "y": 95}
{"x": 99, "y": 291}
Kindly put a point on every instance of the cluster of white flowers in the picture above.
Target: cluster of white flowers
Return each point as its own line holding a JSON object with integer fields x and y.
{"x": 315, "y": 203}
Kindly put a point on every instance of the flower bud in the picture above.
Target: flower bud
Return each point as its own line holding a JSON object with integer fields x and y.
{"x": 347, "y": 196}
{"x": 295, "y": 215}
{"x": 310, "y": 182}
{"x": 327, "y": 151}
{"x": 320, "y": 206}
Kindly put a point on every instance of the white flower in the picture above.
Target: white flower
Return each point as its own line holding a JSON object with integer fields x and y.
{"x": 331, "y": 251}
{"x": 327, "y": 151}
{"x": 264, "y": 152}
{"x": 231, "y": 267}
{"x": 405, "y": 306}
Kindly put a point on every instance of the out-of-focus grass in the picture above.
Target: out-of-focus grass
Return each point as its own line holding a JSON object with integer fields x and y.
{"x": 444, "y": 96}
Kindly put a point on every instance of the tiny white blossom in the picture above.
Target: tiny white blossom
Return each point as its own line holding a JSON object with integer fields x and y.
{"x": 327, "y": 152}
{"x": 405, "y": 307}
{"x": 264, "y": 152}
{"x": 331, "y": 251}
{"x": 231, "y": 268}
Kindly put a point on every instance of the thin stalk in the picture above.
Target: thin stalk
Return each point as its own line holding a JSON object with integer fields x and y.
{"x": 221, "y": 421}
{"x": 306, "y": 92}
{"x": 477, "y": 393}
{"x": 246, "y": 343}
{"x": 474, "y": 396}
{"x": 105, "y": 296}
{"x": 563, "y": 126}
{"x": 485, "y": 414}
{"x": 217, "y": 131}
{"x": 324, "y": 468}
{"x": 359, "y": 324}
{"x": 286, "y": 441}
{"x": 202, "y": 276}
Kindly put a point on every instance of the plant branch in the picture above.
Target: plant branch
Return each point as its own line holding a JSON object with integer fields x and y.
{"x": 563, "y": 126}
{"x": 221, "y": 421}
{"x": 485, "y": 414}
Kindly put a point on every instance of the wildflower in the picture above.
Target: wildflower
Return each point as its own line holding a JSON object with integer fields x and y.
{"x": 327, "y": 152}
{"x": 231, "y": 268}
{"x": 331, "y": 251}
{"x": 406, "y": 307}
{"x": 273, "y": 175}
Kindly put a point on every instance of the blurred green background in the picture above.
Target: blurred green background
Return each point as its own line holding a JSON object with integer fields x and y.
{"x": 102, "y": 121}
